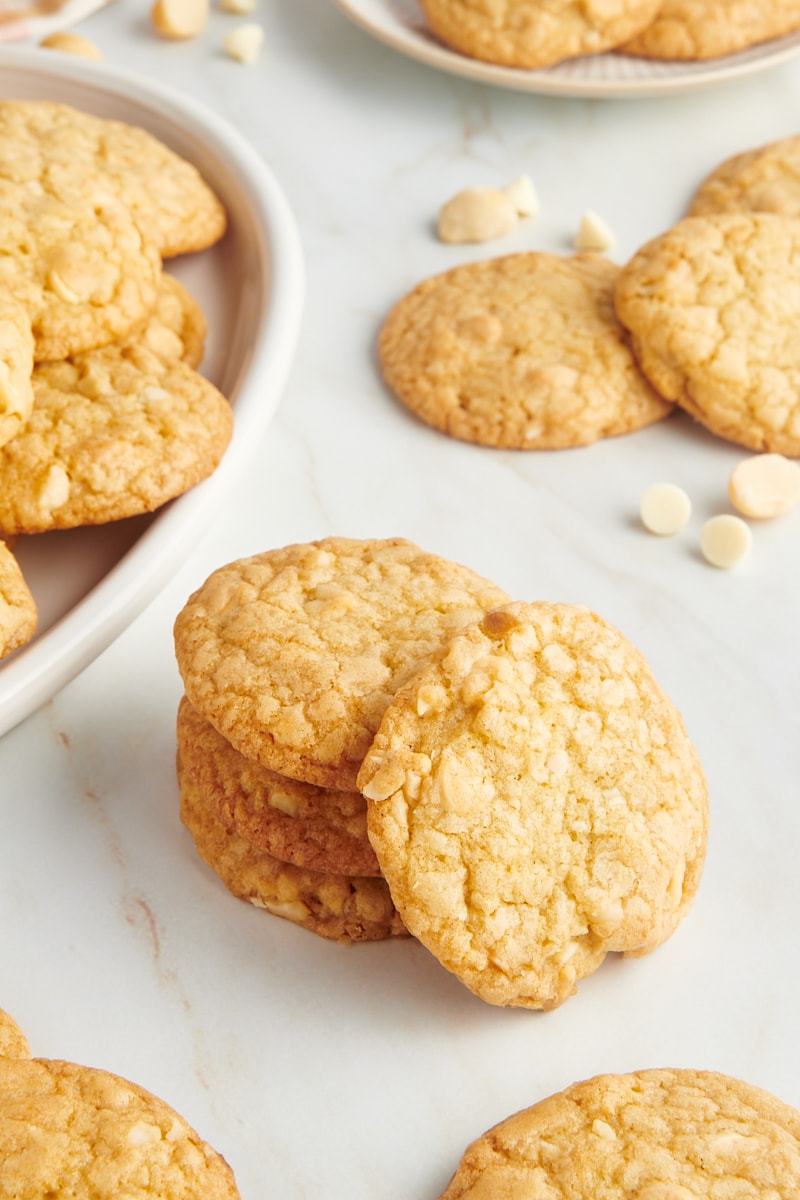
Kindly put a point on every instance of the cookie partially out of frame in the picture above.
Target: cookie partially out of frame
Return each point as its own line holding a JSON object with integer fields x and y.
{"x": 703, "y": 29}
{"x": 523, "y": 352}
{"x": 69, "y": 1130}
{"x": 345, "y": 908}
{"x": 535, "y": 33}
{"x": 651, "y": 1135}
{"x": 713, "y": 307}
{"x": 16, "y": 366}
{"x": 18, "y": 613}
{"x": 293, "y": 655}
{"x": 766, "y": 179}
{"x": 310, "y": 827}
{"x": 535, "y": 803}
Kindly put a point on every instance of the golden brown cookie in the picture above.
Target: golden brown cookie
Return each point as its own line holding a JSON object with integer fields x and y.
{"x": 293, "y": 654}
{"x": 13, "y": 1043}
{"x": 535, "y": 33}
{"x": 69, "y": 152}
{"x": 84, "y": 273}
{"x": 763, "y": 180}
{"x": 345, "y": 908}
{"x": 651, "y": 1135}
{"x": 524, "y": 352}
{"x": 298, "y": 823}
{"x": 113, "y": 433}
{"x": 702, "y": 29}
{"x": 535, "y": 803}
{"x": 17, "y": 607}
{"x": 73, "y": 1131}
{"x": 177, "y": 326}
{"x": 16, "y": 366}
{"x": 713, "y": 306}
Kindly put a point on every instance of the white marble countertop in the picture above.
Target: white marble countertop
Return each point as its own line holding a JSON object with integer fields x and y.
{"x": 364, "y": 1071}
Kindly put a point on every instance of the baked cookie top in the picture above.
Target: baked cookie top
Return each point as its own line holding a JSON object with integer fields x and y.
{"x": 535, "y": 33}
{"x": 652, "y": 1135}
{"x": 308, "y": 826}
{"x": 344, "y": 908}
{"x": 113, "y": 433}
{"x": 66, "y": 151}
{"x": 17, "y": 607}
{"x": 766, "y": 179}
{"x": 16, "y": 365}
{"x": 294, "y": 654}
{"x": 713, "y": 306}
{"x": 13, "y": 1043}
{"x": 84, "y": 273}
{"x": 68, "y": 1130}
{"x": 535, "y": 802}
{"x": 523, "y": 351}
{"x": 177, "y": 327}
{"x": 701, "y": 29}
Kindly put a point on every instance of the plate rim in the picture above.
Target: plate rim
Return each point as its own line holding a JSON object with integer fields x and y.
{"x": 542, "y": 81}
{"x": 39, "y": 670}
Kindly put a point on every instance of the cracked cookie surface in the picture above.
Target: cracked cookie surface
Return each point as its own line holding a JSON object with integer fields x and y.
{"x": 652, "y": 1135}
{"x": 766, "y": 179}
{"x": 713, "y": 307}
{"x": 18, "y": 613}
{"x": 702, "y": 29}
{"x": 523, "y": 352}
{"x": 294, "y": 654}
{"x": 535, "y": 802}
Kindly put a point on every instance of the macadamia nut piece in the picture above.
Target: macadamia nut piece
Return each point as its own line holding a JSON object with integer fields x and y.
{"x": 477, "y": 215}
{"x": 179, "y": 18}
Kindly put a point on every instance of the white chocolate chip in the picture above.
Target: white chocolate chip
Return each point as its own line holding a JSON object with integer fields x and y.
{"x": 725, "y": 540}
{"x": 603, "y": 1130}
{"x": 244, "y": 43}
{"x": 664, "y": 509}
{"x": 523, "y": 196}
{"x": 142, "y": 1133}
{"x": 71, "y": 43}
{"x": 477, "y": 215}
{"x": 179, "y": 18}
{"x": 766, "y": 485}
{"x": 284, "y": 803}
{"x": 593, "y": 233}
{"x": 242, "y": 8}
{"x": 291, "y": 910}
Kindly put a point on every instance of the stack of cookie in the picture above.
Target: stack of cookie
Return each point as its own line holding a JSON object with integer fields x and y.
{"x": 530, "y": 798}
{"x": 102, "y": 413}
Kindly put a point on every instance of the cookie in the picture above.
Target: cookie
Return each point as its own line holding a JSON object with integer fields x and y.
{"x": 523, "y": 352}
{"x": 763, "y": 180}
{"x": 651, "y": 1135}
{"x": 535, "y": 803}
{"x": 344, "y": 908}
{"x": 702, "y": 29}
{"x": 535, "y": 33}
{"x": 177, "y": 326}
{"x": 69, "y": 1130}
{"x": 298, "y": 823}
{"x": 113, "y": 433}
{"x": 16, "y": 366}
{"x": 713, "y": 305}
{"x": 13, "y": 1043}
{"x": 17, "y": 607}
{"x": 293, "y": 655}
{"x": 66, "y": 151}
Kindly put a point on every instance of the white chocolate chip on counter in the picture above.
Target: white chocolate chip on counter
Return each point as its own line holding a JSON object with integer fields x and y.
{"x": 477, "y": 214}
{"x": 522, "y": 194}
{"x": 179, "y": 18}
{"x": 664, "y": 509}
{"x": 71, "y": 43}
{"x": 244, "y": 43}
{"x": 725, "y": 540}
{"x": 241, "y": 8}
{"x": 593, "y": 233}
{"x": 766, "y": 485}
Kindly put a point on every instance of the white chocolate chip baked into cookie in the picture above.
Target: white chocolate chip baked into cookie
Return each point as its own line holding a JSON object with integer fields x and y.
{"x": 293, "y": 655}
{"x": 766, "y": 179}
{"x": 77, "y": 1132}
{"x": 523, "y": 352}
{"x": 16, "y": 365}
{"x": 312, "y": 827}
{"x": 535, "y": 33}
{"x": 535, "y": 803}
{"x": 652, "y": 1135}
{"x": 18, "y": 614}
{"x": 66, "y": 151}
{"x": 703, "y": 29}
{"x": 713, "y": 307}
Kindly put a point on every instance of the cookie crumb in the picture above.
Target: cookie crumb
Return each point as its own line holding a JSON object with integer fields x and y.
{"x": 725, "y": 540}
{"x": 179, "y": 18}
{"x": 244, "y": 43}
{"x": 523, "y": 195}
{"x": 766, "y": 485}
{"x": 664, "y": 509}
{"x": 477, "y": 214}
{"x": 71, "y": 43}
{"x": 593, "y": 233}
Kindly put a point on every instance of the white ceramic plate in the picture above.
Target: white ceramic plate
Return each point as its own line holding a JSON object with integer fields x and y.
{"x": 400, "y": 23}
{"x": 90, "y": 583}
